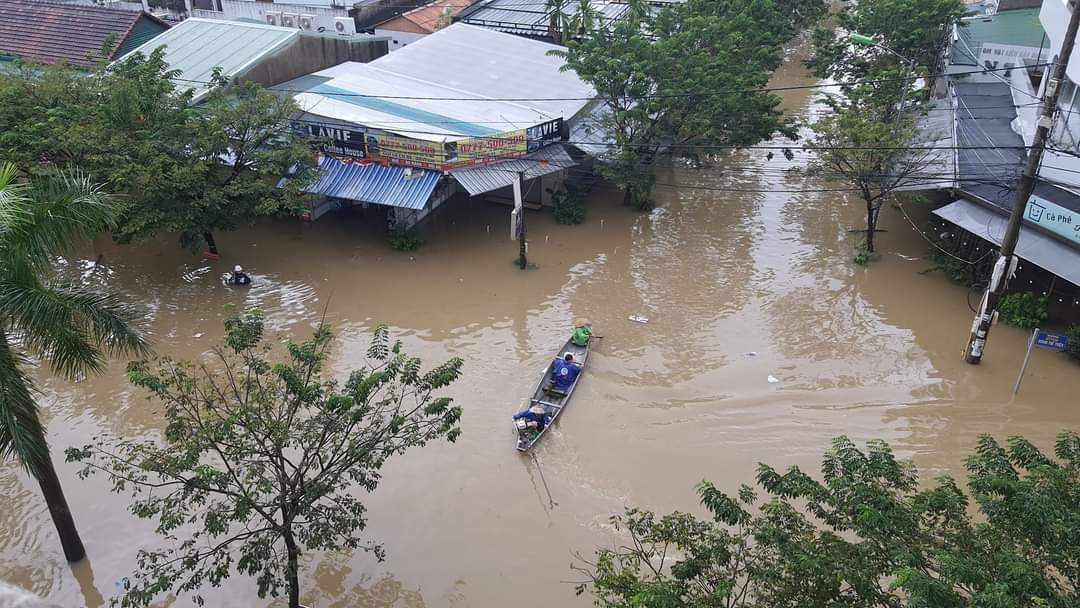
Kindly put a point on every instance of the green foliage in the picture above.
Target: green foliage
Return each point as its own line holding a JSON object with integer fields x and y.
{"x": 918, "y": 30}
{"x": 568, "y": 205}
{"x": 958, "y": 271}
{"x": 67, "y": 325}
{"x": 1073, "y": 349}
{"x": 558, "y": 19}
{"x": 1024, "y": 310}
{"x": 864, "y": 257}
{"x": 262, "y": 459}
{"x": 867, "y": 535}
{"x": 179, "y": 169}
{"x": 865, "y": 145}
{"x": 405, "y": 239}
{"x": 684, "y": 79}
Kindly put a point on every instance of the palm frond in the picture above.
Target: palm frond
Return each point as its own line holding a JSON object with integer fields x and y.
{"x": 12, "y": 199}
{"x": 21, "y": 433}
{"x": 69, "y": 326}
{"x": 48, "y": 218}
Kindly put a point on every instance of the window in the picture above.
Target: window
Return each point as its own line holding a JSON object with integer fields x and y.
{"x": 1066, "y": 131}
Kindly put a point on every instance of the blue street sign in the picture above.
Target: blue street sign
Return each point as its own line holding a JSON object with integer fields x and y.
{"x": 1045, "y": 339}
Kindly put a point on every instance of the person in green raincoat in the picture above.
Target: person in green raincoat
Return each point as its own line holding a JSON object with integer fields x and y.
{"x": 582, "y": 332}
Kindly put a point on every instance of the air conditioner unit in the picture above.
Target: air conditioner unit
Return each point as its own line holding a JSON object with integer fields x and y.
{"x": 307, "y": 22}
{"x": 273, "y": 18}
{"x": 290, "y": 19}
{"x": 344, "y": 26}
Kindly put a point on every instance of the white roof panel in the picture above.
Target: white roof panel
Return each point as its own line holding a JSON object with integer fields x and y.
{"x": 462, "y": 81}
{"x": 492, "y": 64}
{"x": 196, "y": 46}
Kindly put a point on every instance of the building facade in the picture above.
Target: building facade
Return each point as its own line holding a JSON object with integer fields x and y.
{"x": 999, "y": 65}
{"x": 464, "y": 110}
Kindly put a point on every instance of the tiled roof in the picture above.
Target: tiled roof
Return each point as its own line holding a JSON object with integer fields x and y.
{"x": 44, "y": 32}
{"x": 429, "y": 17}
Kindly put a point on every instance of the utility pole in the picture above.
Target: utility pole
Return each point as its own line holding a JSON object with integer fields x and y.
{"x": 1006, "y": 262}
{"x": 519, "y": 209}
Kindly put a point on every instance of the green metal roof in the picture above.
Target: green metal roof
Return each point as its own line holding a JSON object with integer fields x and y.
{"x": 196, "y": 46}
{"x": 144, "y": 30}
{"x": 1019, "y": 27}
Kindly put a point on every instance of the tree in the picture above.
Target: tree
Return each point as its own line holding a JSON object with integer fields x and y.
{"x": 586, "y": 18}
{"x": 685, "y": 79}
{"x": 70, "y": 326}
{"x": 239, "y": 147}
{"x": 259, "y": 460}
{"x": 866, "y": 144}
{"x": 182, "y": 169}
{"x": 918, "y": 30}
{"x": 558, "y": 19}
{"x": 866, "y": 536}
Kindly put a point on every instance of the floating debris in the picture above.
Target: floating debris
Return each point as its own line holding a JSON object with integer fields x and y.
{"x": 638, "y": 319}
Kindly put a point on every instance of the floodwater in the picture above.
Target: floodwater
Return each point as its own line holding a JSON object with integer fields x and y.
{"x": 737, "y": 287}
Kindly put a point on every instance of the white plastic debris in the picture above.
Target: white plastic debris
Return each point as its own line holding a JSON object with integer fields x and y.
{"x": 638, "y": 319}
{"x": 773, "y": 379}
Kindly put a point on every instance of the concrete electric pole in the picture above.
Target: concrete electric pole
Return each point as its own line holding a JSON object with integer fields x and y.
{"x": 519, "y": 214}
{"x": 1006, "y": 262}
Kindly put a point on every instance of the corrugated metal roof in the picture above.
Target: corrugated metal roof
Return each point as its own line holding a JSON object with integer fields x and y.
{"x": 196, "y": 46}
{"x": 144, "y": 31}
{"x": 443, "y": 86}
{"x": 1011, "y": 28}
{"x": 492, "y": 64}
{"x": 590, "y": 132}
{"x": 530, "y": 17}
{"x": 46, "y": 32}
{"x": 373, "y": 183}
{"x": 1033, "y": 246}
{"x": 478, "y": 180}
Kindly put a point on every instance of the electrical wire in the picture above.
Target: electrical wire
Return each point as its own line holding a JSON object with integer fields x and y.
{"x": 744, "y": 90}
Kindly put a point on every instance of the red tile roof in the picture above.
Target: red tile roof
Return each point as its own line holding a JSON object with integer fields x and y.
{"x": 427, "y": 18}
{"x": 44, "y": 32}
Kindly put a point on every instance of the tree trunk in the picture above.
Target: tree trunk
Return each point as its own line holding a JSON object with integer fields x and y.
{"x": 58, "y": 509}
{"x": 292, "y": 573}
{"x": 871, "y": 225}
{"x": 211, "y": 245}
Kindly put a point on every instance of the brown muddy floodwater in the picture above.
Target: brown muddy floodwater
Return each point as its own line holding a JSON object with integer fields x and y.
{"x": 720, "y": 275}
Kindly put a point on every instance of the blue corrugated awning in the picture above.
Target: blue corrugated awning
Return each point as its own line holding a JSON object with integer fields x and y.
{"x": 373, "y": 183}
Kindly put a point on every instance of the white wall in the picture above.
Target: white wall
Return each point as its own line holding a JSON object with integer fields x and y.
{"x": 1054, "y": 16}
{"x": 398, "y": 39}
{"x": 1057, "y": 167}
{"x": 233, "y": 9}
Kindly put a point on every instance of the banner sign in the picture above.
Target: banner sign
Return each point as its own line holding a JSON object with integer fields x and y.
{"x": 1055, "y": 218}
{"x": 405, "y": 151}
{"x": 544, "y": 134}
{"x": 376, "y": 145}
{"x": 483, "y": 150}
{"x": 337, "y": 141}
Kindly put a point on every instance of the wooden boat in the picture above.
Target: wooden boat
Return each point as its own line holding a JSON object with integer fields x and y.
{"x": 554, "y": 402}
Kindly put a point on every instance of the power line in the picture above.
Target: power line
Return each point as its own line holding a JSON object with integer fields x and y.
{"x": 587, "y": 121}
{"x": 635, "y": 97}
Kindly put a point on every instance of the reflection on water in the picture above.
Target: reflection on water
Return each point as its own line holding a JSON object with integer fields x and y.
{"x": 737, "y": 286}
